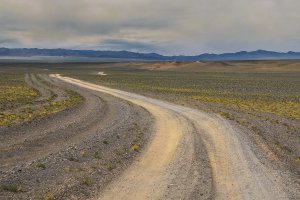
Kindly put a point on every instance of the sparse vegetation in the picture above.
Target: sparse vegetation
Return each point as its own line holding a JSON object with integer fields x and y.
{"x": 11, "y": 188}
{"x": 17, "y": 100}
{"x": 227, "y": 115}
{"x": 263, "y": 96}
{"x": 73, "y": 158}
{"x": 41, "y": 165}
{"x": 28, "y": 114}
{"x": 135, "y": 147}
{"x": 49, "y": 197}
{"x": 105, "y": 142}
{"x": 85, "y": 180}
{"x": 96, "y": 155}
{"x": 83, "y": 157}
{"x": 133, "y": 127}
{"x": 14, "y": 92}
{"x": 108, "y": 166}
{"x": 74, "y": 169}
{"x": 276, "y": 93}
{"x": 82, "y": 153}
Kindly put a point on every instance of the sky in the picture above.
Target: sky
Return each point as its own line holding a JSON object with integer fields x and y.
{"x": 169, "y": 27}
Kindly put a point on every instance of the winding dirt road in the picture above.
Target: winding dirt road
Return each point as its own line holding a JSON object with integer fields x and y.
{"x": 72, "y": 154}
{"x": 171, "y": 167}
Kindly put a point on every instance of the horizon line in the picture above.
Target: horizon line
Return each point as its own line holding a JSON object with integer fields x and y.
{"x": 137, "y": 52}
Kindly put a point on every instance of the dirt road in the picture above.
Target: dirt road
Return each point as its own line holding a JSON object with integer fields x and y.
{"x": 72, "y": 154}
{"x": 174, "y": 165}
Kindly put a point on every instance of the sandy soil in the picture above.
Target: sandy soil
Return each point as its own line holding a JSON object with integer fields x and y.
{"x": 169, "y": 166}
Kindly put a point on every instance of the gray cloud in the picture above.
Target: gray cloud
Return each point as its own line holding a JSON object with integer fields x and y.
{"x": 7, "y": 42}
{"x": 169, "y": 26}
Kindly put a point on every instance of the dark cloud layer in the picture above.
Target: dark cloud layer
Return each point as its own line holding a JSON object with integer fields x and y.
{"x": 169, "y": 26}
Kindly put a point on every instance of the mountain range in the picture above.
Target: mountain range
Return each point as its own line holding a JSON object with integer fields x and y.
{"x": 242, "y": 55}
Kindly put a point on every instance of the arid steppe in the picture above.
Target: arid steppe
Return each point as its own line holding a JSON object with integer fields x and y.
{"x": 154, "y": 130}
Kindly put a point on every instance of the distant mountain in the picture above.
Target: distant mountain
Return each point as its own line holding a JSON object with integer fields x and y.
{"x": 253, "y": 55}
{"x": 242, "y": 55}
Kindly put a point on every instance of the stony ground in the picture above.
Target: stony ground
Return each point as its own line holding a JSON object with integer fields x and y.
{"x": 262, "y": 98}
{"x": 109, "y": 146}
{"x": 170, "y": 166}
{"x": 74, "y": 153}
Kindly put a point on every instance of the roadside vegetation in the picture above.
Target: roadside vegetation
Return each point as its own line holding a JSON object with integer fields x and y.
{"x": 28, "y": 114}
{"x": 12, "y": 188}
{"x": 275, "y": 93}
{"x": 88, "y": 154}
{"x": 14, "y": 92}
{"x": 19, "y": 101}
{"x": 264, "y": 102}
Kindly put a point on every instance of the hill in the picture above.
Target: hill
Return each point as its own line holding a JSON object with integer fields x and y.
{"x": 242, "y": 55}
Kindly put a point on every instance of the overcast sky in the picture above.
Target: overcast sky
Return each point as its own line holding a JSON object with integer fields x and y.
{"x": 164, "y": 26}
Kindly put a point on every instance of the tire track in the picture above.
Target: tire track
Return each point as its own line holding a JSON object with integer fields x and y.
{"x": 69, "y": 146}
{"x": 26, "y": 142}
{"x": 237, "y": 173}
{"x": 59, "y": 92}
{"x": 45, "y": 93}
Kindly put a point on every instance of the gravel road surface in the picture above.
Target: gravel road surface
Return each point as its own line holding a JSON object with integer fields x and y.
{"x": 192, "y": 155}
{"x": 75, "y": 153}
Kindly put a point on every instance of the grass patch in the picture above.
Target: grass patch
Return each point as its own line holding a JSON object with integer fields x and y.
{"x": 49, "y": 197}
{"x": 275, "y": 93}
{"x": 41, "y": 165}
{"x": 96, "y": 155}
{"x": 108, "y": 166}
{"x": 74, "y": 169}
{"x": 73, "y": 158}
{"x": 135, "y": 147}
{"x": 14, "y": 92}
{"x": 85, "y": 181}
{"x": 287, "y": 109}
{"x": 28, "y": 114}
{"x": 256, "y": 130}
{"x": 12, "y": 188}
{"x": 82, "y": 153}
{"x": 227, "y": 115}
{"x": 134, "y": 127}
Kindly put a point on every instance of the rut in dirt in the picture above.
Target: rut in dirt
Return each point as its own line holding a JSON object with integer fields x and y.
{"x": 120, "y": 145}
{"x": 236, "y": 171}
{"x": 75, "y": 152}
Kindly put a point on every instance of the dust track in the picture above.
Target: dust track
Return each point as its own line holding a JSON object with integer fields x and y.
{"x": 55, "y": 154}
{"x": 170, "y": 167}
